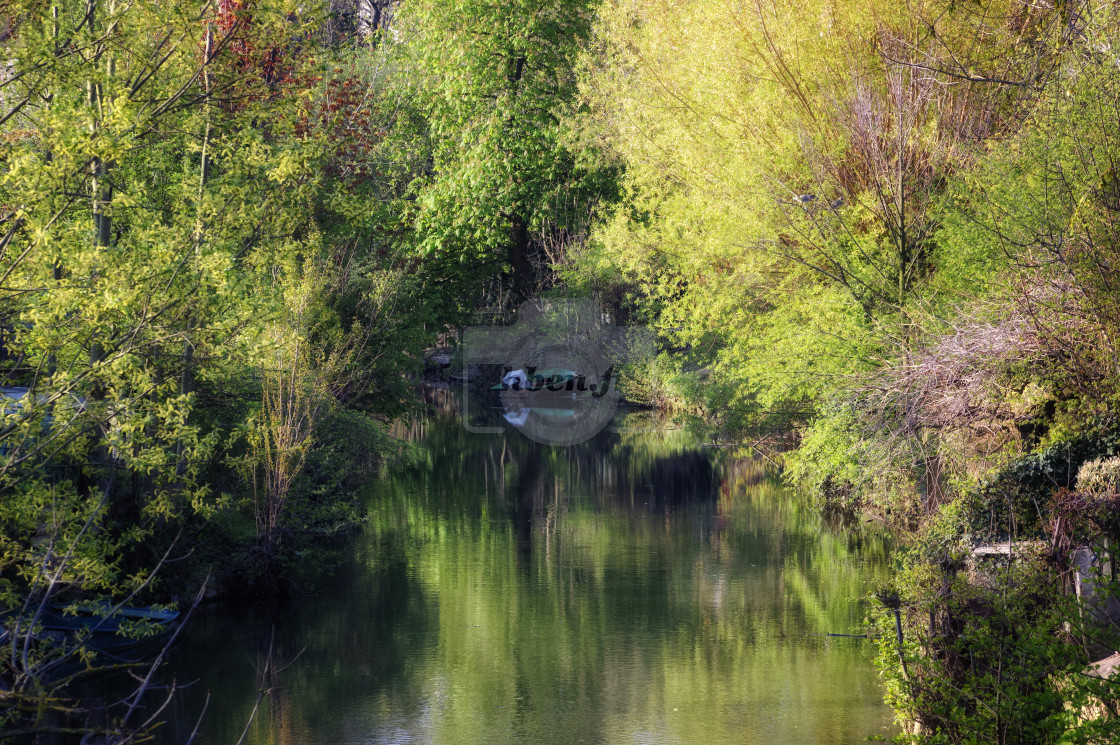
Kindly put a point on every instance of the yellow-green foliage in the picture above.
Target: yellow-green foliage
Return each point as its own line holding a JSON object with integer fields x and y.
{"x": 1100, "y": 476}
{"x": 154, "y": 198}
{"x": 805, "y": 210}
{"x": 722, "y": 114}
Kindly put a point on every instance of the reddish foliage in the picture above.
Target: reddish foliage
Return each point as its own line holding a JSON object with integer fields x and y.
{"x": 346, "y": 116}
{"x": 244, "y": 53}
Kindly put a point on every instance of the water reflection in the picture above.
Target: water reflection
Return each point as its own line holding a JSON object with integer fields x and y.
{"x": 629, "y": 590}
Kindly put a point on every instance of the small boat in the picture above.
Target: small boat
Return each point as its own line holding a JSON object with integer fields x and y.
{"x": 101, "y": 626}
{"x": 553, "y": 379}
{"x": 554, "y": 414}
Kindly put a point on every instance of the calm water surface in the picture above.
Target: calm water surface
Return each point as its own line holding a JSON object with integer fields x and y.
{"x": 637, "y": 589}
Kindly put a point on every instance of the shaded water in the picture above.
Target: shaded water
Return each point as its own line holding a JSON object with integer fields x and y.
{"x": 634, "y": 589}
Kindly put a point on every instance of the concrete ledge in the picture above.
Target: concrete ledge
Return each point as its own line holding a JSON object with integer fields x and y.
{"x": 1105, "y": 668}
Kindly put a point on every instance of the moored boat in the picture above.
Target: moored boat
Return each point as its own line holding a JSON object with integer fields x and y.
{"x": 99, "y": 626}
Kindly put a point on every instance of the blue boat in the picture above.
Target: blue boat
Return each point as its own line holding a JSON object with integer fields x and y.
{"x": 100, "y": 626}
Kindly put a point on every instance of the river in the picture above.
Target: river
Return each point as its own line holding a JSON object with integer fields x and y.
{"x": 636, "y": 589}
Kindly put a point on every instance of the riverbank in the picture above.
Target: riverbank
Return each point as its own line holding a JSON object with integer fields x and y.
{"x": 323, "y": 506}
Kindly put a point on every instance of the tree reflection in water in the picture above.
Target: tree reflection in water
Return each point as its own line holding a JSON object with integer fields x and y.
{"x": 637, "y": 588}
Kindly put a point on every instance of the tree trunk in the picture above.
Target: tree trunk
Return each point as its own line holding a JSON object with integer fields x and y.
{"x": 521, "y": 269}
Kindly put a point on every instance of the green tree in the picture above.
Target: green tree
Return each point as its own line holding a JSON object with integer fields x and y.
{"x": 155, "y": 189}
{"x": 493, "y": 82}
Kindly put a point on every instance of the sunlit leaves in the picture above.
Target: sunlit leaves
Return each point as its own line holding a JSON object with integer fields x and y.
{"x": 492, "y": 91}
{"x": 112, "y": 331}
